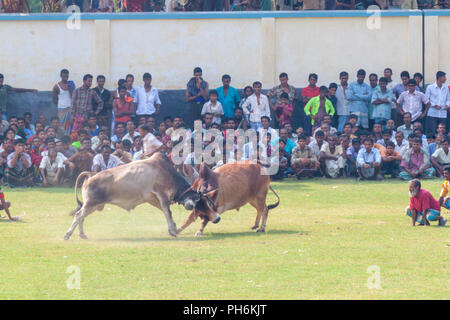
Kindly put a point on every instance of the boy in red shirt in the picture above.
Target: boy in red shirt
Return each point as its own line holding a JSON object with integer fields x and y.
{"x": 4, "y": 205}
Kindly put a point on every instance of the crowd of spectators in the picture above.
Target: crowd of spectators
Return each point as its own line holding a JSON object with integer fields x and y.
{"x": 19, "y": 6}
{"x": 353, "y": 129}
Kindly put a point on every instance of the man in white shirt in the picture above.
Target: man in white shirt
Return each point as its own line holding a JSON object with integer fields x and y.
{"x": 412, "y": 101}
{"x": 147, "y": 98}
{"x": 439, "y": 97}
{"x": 105, "y": 160}
{"x": 342, "y": 102}
{"x": 52, "y": 168}
{"x": 131, "y": 131}
{"x": 441, "y": 157}
{"x": 256, "y": 106}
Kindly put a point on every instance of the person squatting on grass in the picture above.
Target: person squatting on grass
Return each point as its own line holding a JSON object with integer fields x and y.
{"x": 423, "y": 207}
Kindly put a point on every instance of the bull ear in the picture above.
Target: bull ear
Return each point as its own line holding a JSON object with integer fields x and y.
{"x": 212, "y": 194}
{"x": 204, "y": 171}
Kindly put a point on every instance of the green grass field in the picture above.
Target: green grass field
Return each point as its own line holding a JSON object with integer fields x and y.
{"x": 319, "y": 244}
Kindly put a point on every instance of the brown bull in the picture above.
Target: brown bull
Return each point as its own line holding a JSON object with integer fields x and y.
{"x": 231, "y": 187}
{"x": 152, "y": 181}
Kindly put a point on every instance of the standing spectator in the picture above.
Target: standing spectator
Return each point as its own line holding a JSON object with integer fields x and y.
{"x": 345, "y": 4}
{"x": 4, "y": 125}
{"x": 82, "y": 101}
{"x": 228, "y": 96}
{"x": 409, "y": 5}
{"x": 196, "y": 95}
{"x": 283, "y": 110}
{"x": 373, "y": 83}
{"x": 147, "y": 98}
{"x": 398, "y": 89}
{"x": 123, "y": 109}
{"x": 419, "y": 78}
{"x": 19, "y": 171}
{"x": 105, "y": 115}
{"x": 256, "y": 106}
{"x": 62, "y": 98}
{"x": 318, "y": 107}
{"x": 101, "y": 6}
{"x": 332, "y": 97}
{"x": 439, "y": 97}
{"x": 4, "y": 90}
{"x": 416, "y": 163}
{"x": 248, "y": 91}
{"x": 283, "y": 87}
{"x": 313, "y": 4}
{"x": 134, "y": 5}
{"x": 213, "y": 5}
{"x": 412, "y": 101}
{"x": 213, "y": 107}
{"x": 358, "y": 97}
{"x": 105, "y": 160}
{"x": 342, "y": 101}
{"x": 308, "y": 93}
{"x": 382, "y": 100}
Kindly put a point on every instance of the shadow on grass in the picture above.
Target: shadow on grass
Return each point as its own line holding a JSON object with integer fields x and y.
{"x": 5, "y": 219}
{"x": 207, "y": 236}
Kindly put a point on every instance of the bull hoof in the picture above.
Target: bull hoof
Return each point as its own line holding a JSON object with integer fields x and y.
{"x": 83, "y": 236}
{"x": 179, "y": 230}
{"x": 198, "y": 234}
{"x": 255, "y": 227}
{"x": 261, "y": 230}
{"x": 67, "y": 237}
{"x": 173, "y": 233}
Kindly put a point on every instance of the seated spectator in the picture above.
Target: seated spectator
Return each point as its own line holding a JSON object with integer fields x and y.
{"x": 433, "y": 146}
{"x": 441, "y": 158}
{"x": 28, "y": 125}
{"x": 96, "y": 141}
{"x": 81, "y": 135}
{"x": 207, "y": 120}
{"x": 36, "y": 150}
{"x": 441, "y": 129}
{"x": 331, "y": 161}
{"x": 68, "y": 150}
{"x": 151, "y": 123}
{"x": 304, "y": 160}
{"x": 92, "y": 125}
{"x": 290, "y": 130}
{"x": 82, "y": 160}
{"x": 54, "y": 123}
{"x": 265, "y": 125}
{"x": 345, "y": 4}
{"x": 400, "y": 143}
{"x": 21, "y": 130}
{"x": 150, "y": 144}
{"x": 7, "y": 149}
{"x": 137, "y": 145}
{"x": 290, "y": 145}
{"x": 318, "y": 142}
{"x": 3, "y": 124}
{"x": 368, "y": 161}
{"x": 423, "y": 207}
{"x": 214, "y": 107}
{"x": 353, "y": 120}
{"x": 318, "y": 107}
{"x": 352, "y": 156}
{"x": 377, "y": 131}
{"x": 105, "y": 160}
{"x": 51, "y": 168}
{"x": 390, "y": 161}
{"x": 120, "y": 132}
{"x": 443, "y": 198}
{"x": 123, "y": 155}
{"x": 386, "y": 136}
{"x": 326, "y": 127}
{"x": 416, "y": 163}
{"x": 348, "y": 130}
{"x": 19, "y": 171}
{"x": 283, "y": 161}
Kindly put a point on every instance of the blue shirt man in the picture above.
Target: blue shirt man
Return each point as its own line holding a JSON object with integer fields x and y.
{"x": 358, "y": 96}
{"x": 228, "y": 97}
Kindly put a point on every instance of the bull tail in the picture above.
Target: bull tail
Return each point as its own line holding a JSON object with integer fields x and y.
{"x": 273, "y": 206}
{"x": 77, "y": 183}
